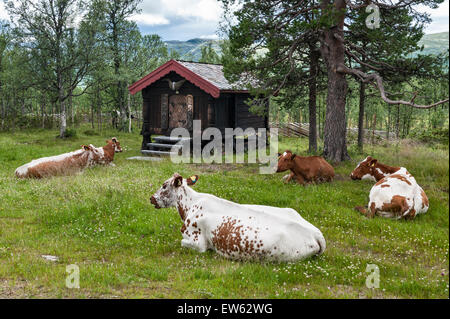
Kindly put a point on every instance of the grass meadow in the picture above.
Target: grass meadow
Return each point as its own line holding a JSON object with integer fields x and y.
{"x": 102, "y": 221}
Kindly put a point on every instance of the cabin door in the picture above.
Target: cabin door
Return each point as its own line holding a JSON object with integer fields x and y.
{"x": 180, "y": 111}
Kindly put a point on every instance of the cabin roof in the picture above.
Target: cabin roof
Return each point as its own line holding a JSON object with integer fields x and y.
{"x": 208, "y": 77}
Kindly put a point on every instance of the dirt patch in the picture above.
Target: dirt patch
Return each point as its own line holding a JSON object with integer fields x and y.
{"x": 19, "y": 289}
{"x": 341, "y": 291}
{"x": 339, "y": 177}
{"x": 23, "y": 289}
{"x": 214, "y": 168}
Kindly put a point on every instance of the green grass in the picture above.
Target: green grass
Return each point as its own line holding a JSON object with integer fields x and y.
{"x": 102, "y": 220}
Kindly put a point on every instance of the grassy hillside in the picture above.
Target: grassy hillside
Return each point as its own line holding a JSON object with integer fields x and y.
{"x": 191, "y": 50}
{"x": 435, "y": 43}
{"x": 102, "y": 221}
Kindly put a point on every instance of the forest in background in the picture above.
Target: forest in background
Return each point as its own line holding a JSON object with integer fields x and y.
{"x": 63, "y": 62}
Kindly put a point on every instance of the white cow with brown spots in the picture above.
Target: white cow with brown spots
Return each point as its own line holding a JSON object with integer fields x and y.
{"x": 396, "y": 193}
{"x": 238, "y": 231}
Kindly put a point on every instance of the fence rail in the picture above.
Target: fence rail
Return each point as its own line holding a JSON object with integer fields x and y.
{"x": 302, "y": 130}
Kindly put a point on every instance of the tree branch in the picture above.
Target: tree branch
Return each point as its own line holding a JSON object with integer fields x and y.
{"x": 376, "y": 80}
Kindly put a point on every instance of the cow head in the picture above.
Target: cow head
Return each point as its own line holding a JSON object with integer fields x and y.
{"x": 285, "y": 161}
{"x": 116, "y": 144}
{"x": 365, "y": 169}
{"x": 94, "y": 154}
{"x": 167, "y": 195}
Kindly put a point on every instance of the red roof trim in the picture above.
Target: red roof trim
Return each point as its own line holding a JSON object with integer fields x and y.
{"x": 173, "y": 65}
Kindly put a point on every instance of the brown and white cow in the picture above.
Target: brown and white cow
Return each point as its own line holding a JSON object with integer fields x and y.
{"x": 305, "y": 170}
{"x": 106, "y": 153}
{"x": 238, "y": 231}
{"x": 396, "y": 193}
{"x": 72, "y": 162}
{"x": 64, "y": 164}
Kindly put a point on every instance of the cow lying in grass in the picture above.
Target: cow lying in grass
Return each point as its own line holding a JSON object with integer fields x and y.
{"x": 305, "y": 170}
{"x": 238, "y": 231}
{"x": 396, "y": 193}
{"x": 70, "y": 163}
{"x": 106, "y": 153}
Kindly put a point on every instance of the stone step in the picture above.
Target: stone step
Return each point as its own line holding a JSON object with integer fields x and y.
{"x": 158, "y": 153}
{"x": 159, "y": 145}
{"x": 167, "y": 139}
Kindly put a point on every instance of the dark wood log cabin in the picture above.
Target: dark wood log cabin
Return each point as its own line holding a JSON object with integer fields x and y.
{"x": 178, "y": 92}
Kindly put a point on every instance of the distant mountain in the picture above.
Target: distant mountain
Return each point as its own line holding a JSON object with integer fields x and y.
{"x": 191, "y": 49}
{"x": 434, "y": 43}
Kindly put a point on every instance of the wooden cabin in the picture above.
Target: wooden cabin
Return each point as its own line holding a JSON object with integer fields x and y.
{"x": 179, "y": 92}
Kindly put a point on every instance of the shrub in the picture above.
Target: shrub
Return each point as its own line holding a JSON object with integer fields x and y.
{"x": 70, "y": 133}
{"x": 437, "y": 135}
{"x": 90, "y": 133}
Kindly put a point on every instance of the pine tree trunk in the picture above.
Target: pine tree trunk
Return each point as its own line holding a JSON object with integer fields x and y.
{"x": 388, "y": 126}
{"x": 335, "y": 143}
{"x": 333, "y": 53}
{"x": 92, "y": 116}
{"x": 397, "y": 123}
{"x": 362, "y": 100}
{"x": 129, "y": 112}
{"x": 313, "y": 67}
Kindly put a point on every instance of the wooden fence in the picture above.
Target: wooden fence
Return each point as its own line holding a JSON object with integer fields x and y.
{"x": 296, "y": 129}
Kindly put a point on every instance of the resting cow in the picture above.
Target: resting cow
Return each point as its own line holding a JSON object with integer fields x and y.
{"x": 64, "y": 164}
{"x": 70, "y": 163}
{"x": 396, "y": 193}
{"x": 106, "y": 153}
{"x": 305, "y": 170}
{"x": 238, "y": 231}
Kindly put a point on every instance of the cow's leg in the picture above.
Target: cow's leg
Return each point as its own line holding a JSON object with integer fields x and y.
{"x": 199, "y": 245}
{"x": 287, "y": 178}
{"x": 410, "y": 215}
{"x": 362, "y": 210}
{"x": 300, "y": 179}
{"x": 367, "y": 211}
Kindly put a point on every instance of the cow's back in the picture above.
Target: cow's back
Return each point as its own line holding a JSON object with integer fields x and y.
{"x": 54, "y": 165}
{"x": 397, "y": 195}
{"x": 314, "y": 168}
{"x": 242, "y": 232}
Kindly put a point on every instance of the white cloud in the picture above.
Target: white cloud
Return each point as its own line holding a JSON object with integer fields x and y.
{"x": 209, "y": 37}
{"x": 439, "y": 16}
{"x": 149, "y": 19}
{"x": 200, "y": 10}
{"x": 3, "y": 14}
{"x": 207, "y": 10}
{"x": 441, "y": 11}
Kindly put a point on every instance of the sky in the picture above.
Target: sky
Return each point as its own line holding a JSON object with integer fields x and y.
{"x": 188, "y": 19}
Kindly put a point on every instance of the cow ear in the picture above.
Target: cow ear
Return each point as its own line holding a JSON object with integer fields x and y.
{"x": 85, "y": 147}
{"x": 192, "y": 180}
{"x": 114, "y": 140}
{"x": 279, "y": 154}
{"x": 293, "y": 156}
{"x": 177, "y": 181}
{"x": 373, "y": 162}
